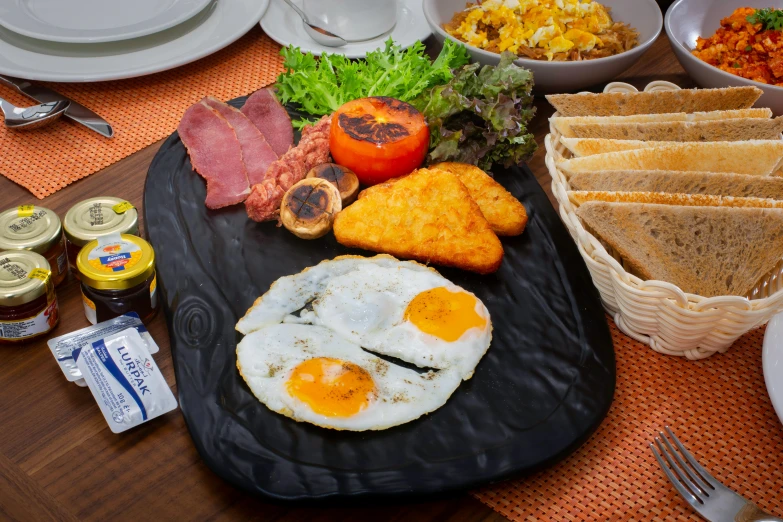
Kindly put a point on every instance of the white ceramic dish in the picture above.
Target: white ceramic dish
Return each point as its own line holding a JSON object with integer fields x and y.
{"x": 686, "y": 20}
{"x": 558, "y": 77}
{"x": 284, "y": 27}
{"x": 221, "y": 24}
{"x": 773, "y": 363}
{"x": 93, "y": 21}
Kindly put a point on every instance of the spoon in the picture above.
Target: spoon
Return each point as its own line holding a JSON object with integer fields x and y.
{"x": 319, "y": 34}
{"x": 28, "y": 118}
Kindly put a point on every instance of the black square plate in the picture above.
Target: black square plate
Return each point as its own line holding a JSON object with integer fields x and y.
{"x": 544, "y": 386}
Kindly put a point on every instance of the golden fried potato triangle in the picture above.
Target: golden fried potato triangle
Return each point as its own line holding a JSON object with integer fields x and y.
{"x": 428, "y": 216}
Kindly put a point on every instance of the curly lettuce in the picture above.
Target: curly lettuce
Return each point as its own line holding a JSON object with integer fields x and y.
{"x": 320, "y": 86}
{"x": 481, "y": 115}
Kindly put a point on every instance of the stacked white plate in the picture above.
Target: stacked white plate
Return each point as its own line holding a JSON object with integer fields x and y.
{"x": 97, "y": 40}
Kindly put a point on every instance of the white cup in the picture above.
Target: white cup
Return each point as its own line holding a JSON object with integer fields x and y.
{"x": 353, "y": 19}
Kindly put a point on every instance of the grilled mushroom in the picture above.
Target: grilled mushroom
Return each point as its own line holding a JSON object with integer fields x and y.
{"x": 341, "y": 177}
{"x": 309, "y": 207}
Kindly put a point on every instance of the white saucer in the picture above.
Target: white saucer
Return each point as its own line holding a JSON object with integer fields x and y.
{"x": 93, "y": 21}
{"x": 221, "y": 24}
{"x": 772, "y": 358}
{"x": 284, "y": 26}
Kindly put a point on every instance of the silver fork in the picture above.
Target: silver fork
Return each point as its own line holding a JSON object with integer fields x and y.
{"x": 711, "y": 499}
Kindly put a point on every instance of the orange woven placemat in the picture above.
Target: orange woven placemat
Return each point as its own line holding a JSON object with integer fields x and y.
{"x": 141, "y": 110}
{"x": 719, "y": 409}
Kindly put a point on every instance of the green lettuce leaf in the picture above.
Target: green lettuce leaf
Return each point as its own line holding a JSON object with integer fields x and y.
{"x": 320, "y": 86}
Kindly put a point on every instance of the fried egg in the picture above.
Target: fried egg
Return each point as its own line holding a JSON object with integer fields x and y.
{"x": 400, "y": 309}
{"x": 312, "y": 374}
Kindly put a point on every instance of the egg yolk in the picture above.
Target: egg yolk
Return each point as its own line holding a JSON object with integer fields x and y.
{"x": 443, "y": 313}
{"x": 331, "y": 387}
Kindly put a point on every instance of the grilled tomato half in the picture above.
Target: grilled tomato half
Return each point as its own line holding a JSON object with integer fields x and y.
{"x": 378, "y": 138}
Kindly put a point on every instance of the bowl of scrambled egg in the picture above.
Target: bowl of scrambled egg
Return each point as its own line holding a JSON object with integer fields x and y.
{"x": 569, "y": 45}
{"x": 731, "y": 43}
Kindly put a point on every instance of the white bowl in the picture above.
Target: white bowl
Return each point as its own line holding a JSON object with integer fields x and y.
{"x": 643, "y": 15}
{"x": 688, "y": 19}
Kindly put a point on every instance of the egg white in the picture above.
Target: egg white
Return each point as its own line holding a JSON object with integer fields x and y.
{"x": 367, "y": 306}
{"x": 267, "y": 357}
{"x": 364, "y": 300}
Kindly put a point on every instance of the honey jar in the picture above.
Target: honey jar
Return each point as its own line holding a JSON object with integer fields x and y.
{"x": 38, "y": 229}
{"x": 93, "y": 218}
{"x": 28, "y": 304}
{"x": 118, "y": 276}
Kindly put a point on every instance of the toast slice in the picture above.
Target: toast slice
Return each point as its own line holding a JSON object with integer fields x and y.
{"x": 715, "y": 183}
{"x": 563, "y": 124}
{"x": 655, "y": 102}
{"x": 428, "y": 216}
{"x": 590, "y": 146}
{"x": 579, "y": 198}
{"x": 737, "y": 129}
{"x": 758, "y": 157}
{"x": 708, "y": 251}
{"x": 506, "y": 215}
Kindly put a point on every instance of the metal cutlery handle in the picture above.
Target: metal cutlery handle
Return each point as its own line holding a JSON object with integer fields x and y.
{"x": 15, "y": 83}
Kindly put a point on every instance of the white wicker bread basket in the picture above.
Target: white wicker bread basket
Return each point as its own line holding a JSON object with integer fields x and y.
{"x": 655, "y": 312}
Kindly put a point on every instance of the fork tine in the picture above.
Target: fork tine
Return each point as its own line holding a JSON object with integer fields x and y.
{"x": 708, "y": 479}
{"x": 687, "y": 495}
{"x": 678, "y": 472}
{"x": 700, "y": 483}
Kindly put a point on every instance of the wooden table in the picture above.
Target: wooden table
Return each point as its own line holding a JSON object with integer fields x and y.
{"x": 58, "y": 459}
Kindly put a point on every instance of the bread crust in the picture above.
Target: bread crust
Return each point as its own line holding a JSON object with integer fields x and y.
{"x": 679, "y": 182}
{"x": 563, "y": 124}
{"x": 736, "y": 129}
{"x": 758, "y": 157}
{"x": 655, "y": 102}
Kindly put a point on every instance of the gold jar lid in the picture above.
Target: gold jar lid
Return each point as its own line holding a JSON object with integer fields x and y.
{"x": 116, "y": 262}
{"x": 28, "y": 227}
{"x": 24, "y": 277}
{"x": 96, "y": 217}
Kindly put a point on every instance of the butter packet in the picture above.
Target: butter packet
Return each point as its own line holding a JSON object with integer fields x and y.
{"x": 65, "y": 348}
{"x": 125, "y": 381}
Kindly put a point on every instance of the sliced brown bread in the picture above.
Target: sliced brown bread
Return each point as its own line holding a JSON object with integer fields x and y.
{"x": 758, "y": 157}
{"x": 654, "y": 102}
{"x": 708, "y": 251}
{"x": 589, "y": 146}
{"x": 716, "y": 183}
{"x": 563, "y": 124}
{"x": 737, "y": 129}
{"x": 580, "y": 197}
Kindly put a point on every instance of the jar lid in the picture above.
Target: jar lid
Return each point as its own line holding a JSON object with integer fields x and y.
{"x": 116, "y": 262}
{"x": 28, "y": 227}
{"x": 96, "y": 217}
{"x": 24, "y": 277}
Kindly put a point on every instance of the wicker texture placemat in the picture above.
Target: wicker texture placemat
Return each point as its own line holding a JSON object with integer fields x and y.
{"x": 141, "y": 110}
{"x": 718, "y": 408}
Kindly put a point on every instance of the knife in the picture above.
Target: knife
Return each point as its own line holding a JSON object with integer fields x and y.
{"x": 76, "y": 111}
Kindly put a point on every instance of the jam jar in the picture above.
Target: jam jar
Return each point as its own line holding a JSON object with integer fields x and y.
{"x": 118, "y": 276}
{"x": 93, "y": 218}
{"x": 38, "y": 229}
{"x": 28, "y": 304}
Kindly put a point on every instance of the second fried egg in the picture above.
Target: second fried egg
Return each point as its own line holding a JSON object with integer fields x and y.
{"x": 400, "y": 309}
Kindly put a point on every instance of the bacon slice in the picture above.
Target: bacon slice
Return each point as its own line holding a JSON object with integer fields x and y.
{"x": 257, "y": 154}
{"x": 263, "y": 204}
{"x": 215, "y": 154}
{"x": 271, "y": 118}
